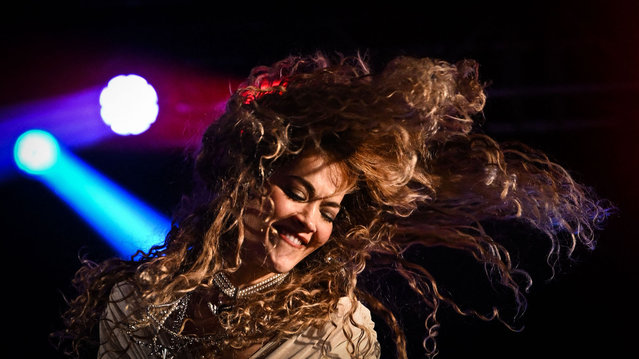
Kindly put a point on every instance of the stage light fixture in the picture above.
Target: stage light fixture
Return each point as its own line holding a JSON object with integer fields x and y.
{"x": 124, "y": 221}
{"x": 36, "y": 151}
{"x": 129, "y": 104}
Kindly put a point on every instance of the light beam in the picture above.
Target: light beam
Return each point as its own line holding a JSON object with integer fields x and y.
{"x": 125, "y": 222}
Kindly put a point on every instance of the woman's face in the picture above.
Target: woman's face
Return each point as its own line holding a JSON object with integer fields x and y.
{"x": 306, "y": 198}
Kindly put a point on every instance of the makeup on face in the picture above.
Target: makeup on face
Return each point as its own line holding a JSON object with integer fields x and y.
{"x": 306, "y": 198}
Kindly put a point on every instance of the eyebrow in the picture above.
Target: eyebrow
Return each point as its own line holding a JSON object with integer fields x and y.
{"x": 311, "y": 190}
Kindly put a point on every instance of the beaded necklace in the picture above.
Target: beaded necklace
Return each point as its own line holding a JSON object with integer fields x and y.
{"x": 231, "y": 291}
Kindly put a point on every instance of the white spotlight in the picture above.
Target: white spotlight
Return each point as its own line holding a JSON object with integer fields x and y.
{"x": 129, "y": 105}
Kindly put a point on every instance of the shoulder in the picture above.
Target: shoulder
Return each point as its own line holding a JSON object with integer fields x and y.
{"x": 361, "y": 314}
{"x": 350, "y": 329}
{"x": 122, "y": 290}
{"x": 352, "y": 318}
{"x": 123, "y": 297}
{"x": 353, "y": 331}
{"x": 122, "y": 305}
{"x": 114, "y": 329}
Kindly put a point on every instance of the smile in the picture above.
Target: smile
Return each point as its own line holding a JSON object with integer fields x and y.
{"x": 290, "y": 238}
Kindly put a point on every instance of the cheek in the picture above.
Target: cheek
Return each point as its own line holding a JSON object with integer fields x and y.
{"x": 254, "y": 220}
{"x": 283, "y": 207}
{"x": 324, "y": 234}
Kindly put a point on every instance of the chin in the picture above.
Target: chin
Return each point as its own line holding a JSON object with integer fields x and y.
{"x": 282, "y": 264}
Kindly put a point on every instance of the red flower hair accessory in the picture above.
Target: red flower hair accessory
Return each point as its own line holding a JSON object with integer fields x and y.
{"x": 264, "y": 87}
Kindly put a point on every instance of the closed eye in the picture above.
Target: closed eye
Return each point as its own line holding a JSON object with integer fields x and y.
{"x": 306, "y": 193}
{"x": 299, "y": 196}
{"x": 294, "y": 194}
{"x": 328, "y": 217}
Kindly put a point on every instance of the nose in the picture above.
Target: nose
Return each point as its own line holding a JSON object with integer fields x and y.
{"x": 306, "y": 217}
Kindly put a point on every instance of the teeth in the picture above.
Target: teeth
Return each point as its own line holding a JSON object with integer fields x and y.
{"x": 293, "y": 239}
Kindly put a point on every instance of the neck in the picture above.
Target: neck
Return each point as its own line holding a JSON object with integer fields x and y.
{"x": 253, "y": 269}
{"x": 247, "y": 275}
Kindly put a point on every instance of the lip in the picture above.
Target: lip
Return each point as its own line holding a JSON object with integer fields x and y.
{"x": 283, "y": 233}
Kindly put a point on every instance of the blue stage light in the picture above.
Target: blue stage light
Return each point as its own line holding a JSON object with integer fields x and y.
{"x": 127, "y": 223}
{"x": 36, "y": 151}
{"x": 129, "y": 104}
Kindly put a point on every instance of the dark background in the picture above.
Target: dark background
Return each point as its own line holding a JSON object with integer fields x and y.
{"x": 563, "y": 76}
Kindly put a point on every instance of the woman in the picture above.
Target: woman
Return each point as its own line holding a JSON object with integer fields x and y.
{"x": 317, "y": 171}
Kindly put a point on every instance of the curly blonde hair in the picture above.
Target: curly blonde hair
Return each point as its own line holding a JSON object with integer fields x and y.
{"x": 420, "y": 176}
